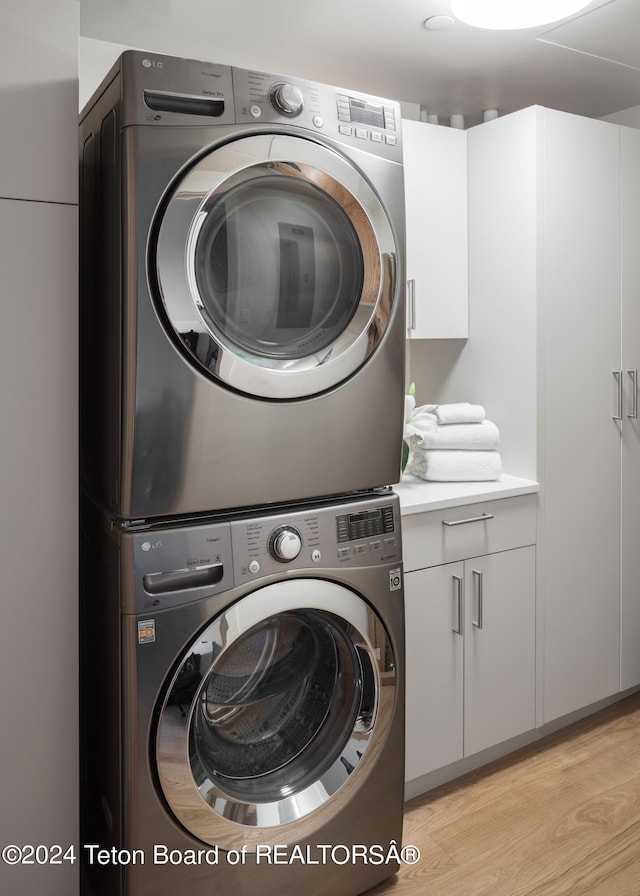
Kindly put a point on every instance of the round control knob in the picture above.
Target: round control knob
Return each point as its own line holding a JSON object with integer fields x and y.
{"x": 287, "y": 99}
{"x": 285, "y": 544}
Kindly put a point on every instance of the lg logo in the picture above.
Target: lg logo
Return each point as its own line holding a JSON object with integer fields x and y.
{"x": 149, "y": 63}
{"x": 150, "y": 546}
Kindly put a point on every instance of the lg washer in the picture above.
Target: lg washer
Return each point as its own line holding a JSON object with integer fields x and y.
{"x": 242, "y": 289}
{"x": 243, "y": 702}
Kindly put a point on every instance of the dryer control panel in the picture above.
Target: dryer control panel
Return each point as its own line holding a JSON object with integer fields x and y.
{"x": 366, "y": 122}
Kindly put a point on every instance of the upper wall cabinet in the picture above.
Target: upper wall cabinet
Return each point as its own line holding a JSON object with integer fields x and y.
{"x": 39, "y": 100}
{"x": 435, "y": 160}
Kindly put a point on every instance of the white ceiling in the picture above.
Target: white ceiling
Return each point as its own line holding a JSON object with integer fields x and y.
{"x": 588, "y": 64}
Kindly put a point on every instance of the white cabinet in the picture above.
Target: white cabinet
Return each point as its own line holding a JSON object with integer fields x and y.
{"x": 39, "y": 100}
{"x": 38, "y": 573}
{"x": 553, "y": 208}
{"x": 435, "y": 166}
{"x": 470, "y": 630}
{"x": 580, "y": 343}
{"x": 630, "y": 424}
{"x": 435, "y": 669}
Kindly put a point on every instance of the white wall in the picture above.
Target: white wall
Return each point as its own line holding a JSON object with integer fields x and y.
{"x": 629, "y": 117}
{"x": 38, "y": 408}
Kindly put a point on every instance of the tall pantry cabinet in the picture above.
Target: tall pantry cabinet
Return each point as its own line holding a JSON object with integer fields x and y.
{"x": 39, "y": 471}
{"x": 630, "y": 425}
{"x": 554, "y": 225}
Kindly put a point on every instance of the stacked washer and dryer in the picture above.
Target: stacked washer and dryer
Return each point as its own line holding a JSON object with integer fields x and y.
{"x": 242, "y": 339}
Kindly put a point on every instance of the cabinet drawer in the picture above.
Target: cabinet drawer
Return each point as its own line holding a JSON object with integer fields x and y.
{"x": 470, "y": 530}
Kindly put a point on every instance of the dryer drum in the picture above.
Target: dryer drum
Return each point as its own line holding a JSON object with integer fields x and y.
{"x": 278, "y": 267}
{"x": 273, "y": 265}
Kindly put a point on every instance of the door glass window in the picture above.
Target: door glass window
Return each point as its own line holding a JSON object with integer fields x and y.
{"x": 274, "y": 266}
{"x": 277, "y": 707}
{"x": 278, "y": 267}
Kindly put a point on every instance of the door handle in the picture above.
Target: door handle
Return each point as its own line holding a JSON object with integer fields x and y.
{"x": 457, "y": 596}
{"x": 618, "y": 378}
{"x": 411, "y": 296}
{"x": 478, "y": 587}
{"x": 633, "y": 413}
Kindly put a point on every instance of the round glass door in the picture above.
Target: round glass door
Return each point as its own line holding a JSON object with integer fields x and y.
{"x": 272, "y": 714}
{"x": 274, "y": 264}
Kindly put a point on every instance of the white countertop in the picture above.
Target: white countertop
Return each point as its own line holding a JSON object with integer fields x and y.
{"x": 416, "y": 495}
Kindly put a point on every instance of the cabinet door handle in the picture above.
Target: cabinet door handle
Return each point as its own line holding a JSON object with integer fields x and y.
{"x": 457, "y": 597}
{"x": 471, "y": 519}
{"x": 411, "y": 295}
{"x": 478, "y": 587}
{"x": 633, "y": 413}
{"x": 618, "y": 378}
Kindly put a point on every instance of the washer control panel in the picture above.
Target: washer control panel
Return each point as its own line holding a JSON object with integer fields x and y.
{"x": 165, "y": 567}
{"x": 365, "y": 532}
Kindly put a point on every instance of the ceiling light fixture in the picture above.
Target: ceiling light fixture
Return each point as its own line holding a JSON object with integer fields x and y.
{"x": 507, "y": 15}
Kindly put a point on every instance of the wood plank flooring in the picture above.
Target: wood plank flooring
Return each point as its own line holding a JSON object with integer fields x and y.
{"x": 558, "y": 818}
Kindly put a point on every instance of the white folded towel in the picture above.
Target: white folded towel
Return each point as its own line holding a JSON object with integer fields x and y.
{"x": 456, "y": 466}
{"x": 459, "y": 413}
{"x": 470, "y": 436}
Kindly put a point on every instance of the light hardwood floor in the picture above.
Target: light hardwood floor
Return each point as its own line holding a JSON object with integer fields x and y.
{"x": 558, "y": 818}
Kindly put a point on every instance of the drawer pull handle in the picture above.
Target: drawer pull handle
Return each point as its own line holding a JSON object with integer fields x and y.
{"x": 472, "y": 519}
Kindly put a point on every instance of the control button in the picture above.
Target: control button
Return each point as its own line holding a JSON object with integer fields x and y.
{"x": 375, "y": 545}
{"x": 359, "y": 549}
{"x": 391, "y": 139}
{"x": 254, "y": 567}
{"x": 285, "y": 544}
{"x": 345, "y": 129}
{"x": 390, "y": 118}
{"x": 255, "y": 111}
{"x": 318, "y": 121}
{"x": 362, "y": 133}
{"x": 316, "y": 556}
{"x": 287, "y": 99}
{"x": 377, "y": 137}
{"x": 344, "y": 553}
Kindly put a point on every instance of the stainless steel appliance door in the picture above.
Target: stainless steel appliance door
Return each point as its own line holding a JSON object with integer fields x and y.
{"x": 276, "y": 712}
{"x": 273, "y": 266}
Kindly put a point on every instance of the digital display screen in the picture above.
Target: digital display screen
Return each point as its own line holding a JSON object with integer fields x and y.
{"x": 366, "y": 524}
{"x": 366, "y": 113}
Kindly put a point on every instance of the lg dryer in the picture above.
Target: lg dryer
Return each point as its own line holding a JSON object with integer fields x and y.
{"x": 243, "y": 702}
{"x": 242, "y": 289}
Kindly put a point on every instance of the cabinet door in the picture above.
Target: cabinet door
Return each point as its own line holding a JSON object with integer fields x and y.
{"x": 580, "y": 474}
{"x": 499, "y": 674}
{"x": 435, "y": 168}
{"x": 434, "y": 701}
{"x": 630, "y": 475}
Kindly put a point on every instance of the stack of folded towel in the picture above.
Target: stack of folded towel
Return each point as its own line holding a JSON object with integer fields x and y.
{"x": 455, "y": 443}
